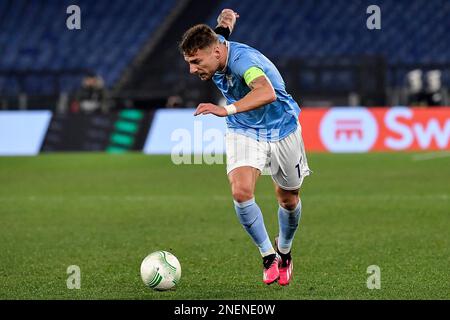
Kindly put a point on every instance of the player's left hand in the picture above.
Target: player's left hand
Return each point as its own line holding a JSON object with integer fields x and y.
{"x": 209, "y": 108}
{"x": 227, "y": 18}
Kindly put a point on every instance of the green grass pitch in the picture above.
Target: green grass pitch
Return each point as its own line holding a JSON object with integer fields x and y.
{"x": 105, "y": 213}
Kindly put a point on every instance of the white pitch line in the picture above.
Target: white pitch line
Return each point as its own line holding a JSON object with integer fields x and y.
{"x": 430, "y": 155}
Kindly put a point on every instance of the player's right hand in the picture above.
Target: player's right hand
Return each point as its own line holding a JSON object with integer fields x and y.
{"x": 209, "y": 108}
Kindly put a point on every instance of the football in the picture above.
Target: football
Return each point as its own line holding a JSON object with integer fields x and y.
{"x": 160, "y": 270}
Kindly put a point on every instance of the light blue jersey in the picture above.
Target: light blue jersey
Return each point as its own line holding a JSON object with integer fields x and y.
{"x": 271, "y": 122}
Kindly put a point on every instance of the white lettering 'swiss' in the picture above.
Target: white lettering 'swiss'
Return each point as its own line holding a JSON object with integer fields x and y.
{"x": 424, "y": 133}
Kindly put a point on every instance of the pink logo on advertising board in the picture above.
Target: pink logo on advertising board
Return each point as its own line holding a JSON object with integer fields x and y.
{"x": 348, "y": 130}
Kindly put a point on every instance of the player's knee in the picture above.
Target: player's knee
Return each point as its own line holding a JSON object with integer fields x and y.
{"x": 288, "y": 199}
{"x": 289, "y": 203}
{"x": 242, "y": 193}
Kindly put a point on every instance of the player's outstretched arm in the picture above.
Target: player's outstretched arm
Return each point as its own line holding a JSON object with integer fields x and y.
{"x": 261, "y": 93}
{"x": 226, "y": 22}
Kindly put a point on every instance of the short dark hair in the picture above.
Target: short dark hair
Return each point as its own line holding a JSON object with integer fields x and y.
{"x": 198, "y": 37}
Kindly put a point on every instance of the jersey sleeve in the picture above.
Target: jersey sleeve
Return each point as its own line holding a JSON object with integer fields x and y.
{"x": 252, "y": 73}
{"x": 248, "y": 67}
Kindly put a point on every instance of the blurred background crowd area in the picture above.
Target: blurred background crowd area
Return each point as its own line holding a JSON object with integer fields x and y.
{"x": 125, "y": 55}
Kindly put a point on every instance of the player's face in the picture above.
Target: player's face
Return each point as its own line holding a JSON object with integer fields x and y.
{"x": 204, "y": 62}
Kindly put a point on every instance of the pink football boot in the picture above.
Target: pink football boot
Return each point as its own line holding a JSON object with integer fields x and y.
{"x": 286, "y": 266}
{"x": 270, "y": 270}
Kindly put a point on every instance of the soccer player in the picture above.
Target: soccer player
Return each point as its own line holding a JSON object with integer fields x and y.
{"x": 263, "y": 133}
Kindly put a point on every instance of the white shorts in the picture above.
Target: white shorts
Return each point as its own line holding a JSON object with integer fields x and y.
{"x": 284, "y": 160}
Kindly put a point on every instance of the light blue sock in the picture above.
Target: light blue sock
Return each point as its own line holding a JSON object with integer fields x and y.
{"x": 251, "y": 218}
{"x": 288, "y": 222}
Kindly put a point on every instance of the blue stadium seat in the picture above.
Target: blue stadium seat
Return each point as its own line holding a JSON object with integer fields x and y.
{"x": 112, "y": 33}
{"x": 411, "y": 31}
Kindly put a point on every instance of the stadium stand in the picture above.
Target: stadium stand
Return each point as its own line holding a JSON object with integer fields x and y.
{"x": 34, "y": 38}
{"x": 412, "y": 32}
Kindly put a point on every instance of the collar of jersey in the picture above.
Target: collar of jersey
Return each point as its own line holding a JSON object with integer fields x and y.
{"x": 224, "y": 70}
